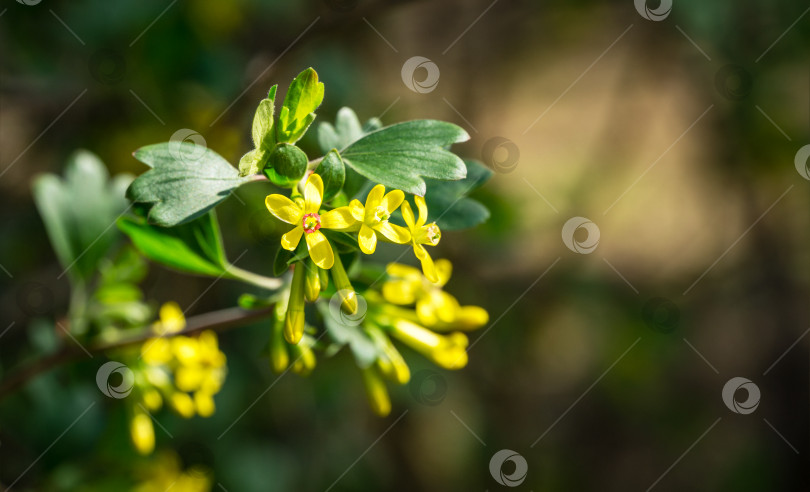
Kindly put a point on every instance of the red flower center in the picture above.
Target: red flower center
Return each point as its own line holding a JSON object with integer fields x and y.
{"x": 311, "y": 223}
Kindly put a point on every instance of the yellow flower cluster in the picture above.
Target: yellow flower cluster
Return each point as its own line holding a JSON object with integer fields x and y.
{"x": 411, "y": 308}
{"x": 185, "y": 372}
{"x": 370, "y": 221}
{"x": 164, "y": 472}
{"x": 434, "y": 311}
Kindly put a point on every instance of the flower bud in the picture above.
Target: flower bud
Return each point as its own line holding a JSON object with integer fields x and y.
{"x": 142, "y": 432}
{"x": 312, "y": 283}
{"x": 294, "y": 322}
{"x": 377, "y": 392}
{"x": 344, "y": 288}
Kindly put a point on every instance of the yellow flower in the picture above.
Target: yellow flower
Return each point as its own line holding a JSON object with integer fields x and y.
{"x": 435, "y": 308}
{"x": 447, "y": 351}
{"x": 142, "y": 431}
{"x": 429, "y": 234}
{"x": 373, "y": 219}
{"x": 306, "y": 218}
{"x": 171, "y": 319}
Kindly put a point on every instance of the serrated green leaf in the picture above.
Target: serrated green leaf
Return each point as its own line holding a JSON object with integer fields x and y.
{"x": 448, "y": 204}
{"x": 286, "y": 165}
{"x": 400, "y": 156}
{"x": 304, "y": 96}
{"x": 79, "y": 210}
{"x": 194, "y": 247}
{"x": 185, "y": 182}
{"x": 333, "y": 173}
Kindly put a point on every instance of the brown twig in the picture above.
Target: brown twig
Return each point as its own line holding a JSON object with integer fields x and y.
{"x": 221, "y": 320}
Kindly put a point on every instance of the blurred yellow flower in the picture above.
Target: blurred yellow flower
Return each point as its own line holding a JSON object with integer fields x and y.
{"x": 372, "y": 219}
{"x": 306, "y": 217}
{"x": 447, "y": 351}
{"x": 165, "y": 473}
{"x": 142, "y": 431}
{"x": 435, "y": 308}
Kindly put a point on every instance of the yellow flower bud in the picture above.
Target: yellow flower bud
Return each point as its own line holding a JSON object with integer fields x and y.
{"x": 304, "y": 357}
{"x": 344, "y": 287}
{"x": 171, "y": 319}
{"x": 312, "y": 283}
{"x": 204, "y": 403}
{"x": 182, "y": 404}
{"x": 152, "y": 399}
{"x": 377, "y": 392}
{"x": 447, "y": 351}
{"x": 294, "y": 322}
{"x": 142, "y": 432}
{"x": 279, "y": 357}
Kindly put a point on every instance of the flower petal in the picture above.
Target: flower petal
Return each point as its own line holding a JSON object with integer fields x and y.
{"x": 290, "y": 240}
{"x": 313, "y": 194}
{"x": 320, "y": 250}
{"x": 339, "y": 218}
{"x": 400, "y": 292}
{"x": 393, "y": 200}
{"x": 373, "y": 200}
{"x": 284, "y": 208}
{"x": 357, "y": 209}
{"x": 404, "y": 271}
{"x": 407, "y": 214}
{"x": 393, "y": 233}
{"x": 423, "y": 211}
{"x": 367, "y": 239}
{"x": 428, "y": 266}
{"x": 444, "y": 268}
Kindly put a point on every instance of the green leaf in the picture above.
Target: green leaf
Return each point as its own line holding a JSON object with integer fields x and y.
{"x": 78, "y": 212}
{"x": 448, "y": 204}
{"x": 298, "y": 110}
{"x": 333, "y": 173}
{"x": 263, "y": 125}
{"x": 363, "y": 348}
{"x": 187, "y": 180}
{"x": 400, "y": 155}
{"x": 194, "y": 247}
{"x": 286, "y": 166}
{"x": 281, "y": 263}
{"x": 253, "y": 162}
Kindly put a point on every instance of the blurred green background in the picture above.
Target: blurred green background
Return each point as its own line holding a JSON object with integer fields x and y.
{"x": 676, "y": 137}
